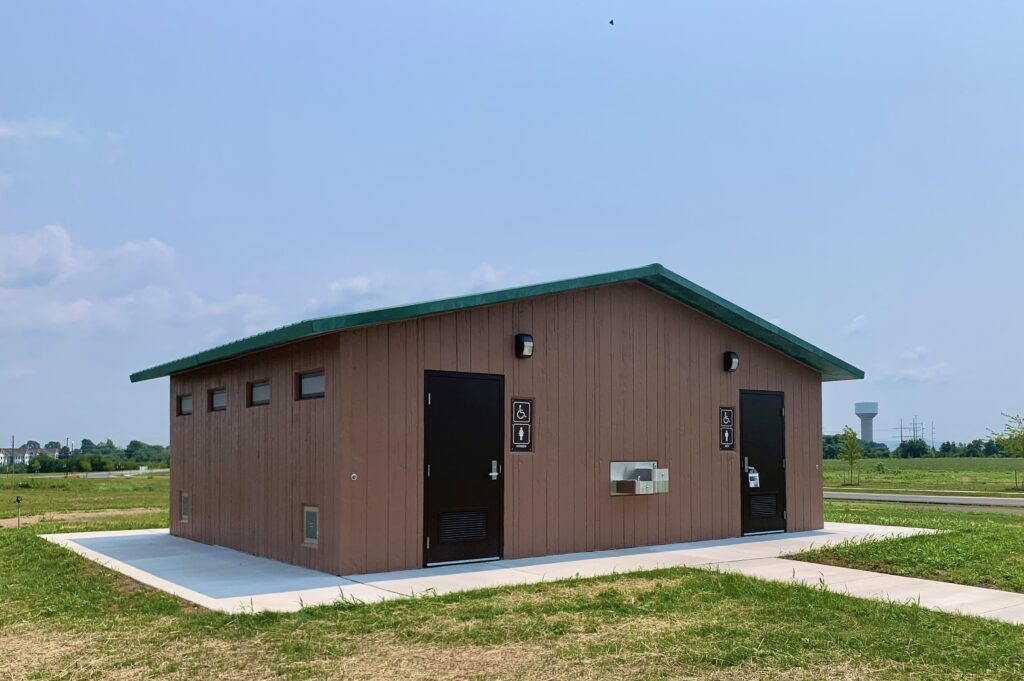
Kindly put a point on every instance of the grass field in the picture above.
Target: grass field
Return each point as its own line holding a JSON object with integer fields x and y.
{"x": 978, "y": 549}
{"x": 990, "y": 476}
{"x": 62, "y": 617}
{"x": 58, "y": 495}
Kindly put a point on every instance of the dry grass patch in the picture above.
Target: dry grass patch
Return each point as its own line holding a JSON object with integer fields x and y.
{"x": 75, "y": 516}
{"x": 28, "y": 649}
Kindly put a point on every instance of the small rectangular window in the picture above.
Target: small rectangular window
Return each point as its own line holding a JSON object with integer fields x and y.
{"x": 184, "y": 405}
{"x": 259, "y": 394}
{"x": 183, "y": 509}
{"x": 310, "y": 525}
{"x": 218, "y": 399}
{"x": 311, "y": 385}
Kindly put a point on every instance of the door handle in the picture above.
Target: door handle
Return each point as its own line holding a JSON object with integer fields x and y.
{"x": 494, "y": 470}
{"x": 745, "y": 466}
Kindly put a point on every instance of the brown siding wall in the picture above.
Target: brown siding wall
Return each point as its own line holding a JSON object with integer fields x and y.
{"x": 249, "y": 470}
{"x": 620, "y": 372}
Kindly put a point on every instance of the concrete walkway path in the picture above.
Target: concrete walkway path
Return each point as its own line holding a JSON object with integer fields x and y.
{"x": 222, "y": 579}
{"x": 927, "y": 499}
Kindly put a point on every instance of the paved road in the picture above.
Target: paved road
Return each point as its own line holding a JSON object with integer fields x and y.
{"x": 927, "y": 499}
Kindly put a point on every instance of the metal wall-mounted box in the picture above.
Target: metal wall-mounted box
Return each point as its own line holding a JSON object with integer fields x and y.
{"x": 638, "y": 477}
{"x": 661, "y": 481}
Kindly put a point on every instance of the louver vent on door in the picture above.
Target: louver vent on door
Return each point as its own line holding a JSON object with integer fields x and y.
{"x": 463, "y": 525}
{"x": 763, "y": 506}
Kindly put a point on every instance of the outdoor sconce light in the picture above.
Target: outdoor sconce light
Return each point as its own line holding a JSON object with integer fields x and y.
{"x": 524, "y": 345}
{"x": 732, "y": 361}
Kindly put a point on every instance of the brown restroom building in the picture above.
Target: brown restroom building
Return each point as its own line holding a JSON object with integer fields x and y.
{"x": 622, "y": 409}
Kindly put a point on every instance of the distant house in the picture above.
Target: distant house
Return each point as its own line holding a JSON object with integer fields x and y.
{"x": 24, "y": 455}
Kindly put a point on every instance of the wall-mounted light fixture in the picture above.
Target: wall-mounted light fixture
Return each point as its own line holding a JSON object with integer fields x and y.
{"x": 732, "y": 361}
{"x": 524, "y": 345}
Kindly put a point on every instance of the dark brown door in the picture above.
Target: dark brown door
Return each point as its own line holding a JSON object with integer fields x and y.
{"x": 463, "y": 455}
{"x": 762, "y": 461}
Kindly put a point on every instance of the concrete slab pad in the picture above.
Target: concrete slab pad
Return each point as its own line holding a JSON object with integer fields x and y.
{"x": 222, "y": 579}
{"x": 446, "y": 579}
{"x": 1013, "y": 614}
{"x": 214, "y": 571}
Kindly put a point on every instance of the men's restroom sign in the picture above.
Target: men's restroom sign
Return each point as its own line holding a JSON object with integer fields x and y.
{"x": 522, "y": 425}
{"x": 726, "y": 428}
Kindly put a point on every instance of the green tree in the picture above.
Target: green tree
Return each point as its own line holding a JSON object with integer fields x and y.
{"x": 914, "y": 449}
{"x": 53, "y": 444}
{"x": 1011, "y": 439}
{"x": 86, "y": 446}
{"x": 876, "y": 450}
{"x": 31, "y": 444}
{"x": 850, "y": 448}
{"x": 973, "y": 448}
{"x": 948, "y": 449}
{"x": 830, "y": 447}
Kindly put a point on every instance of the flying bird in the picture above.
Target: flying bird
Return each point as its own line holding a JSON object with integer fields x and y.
{"x": 611, "y": 22}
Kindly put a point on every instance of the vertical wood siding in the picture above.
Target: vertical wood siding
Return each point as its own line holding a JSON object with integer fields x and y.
{"x": 620, "y": 373}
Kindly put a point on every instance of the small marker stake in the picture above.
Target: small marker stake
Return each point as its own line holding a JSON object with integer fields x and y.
{"x": 17, "y": 500}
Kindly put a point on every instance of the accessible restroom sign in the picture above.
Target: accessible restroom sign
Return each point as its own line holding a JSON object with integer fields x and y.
{"x": 726, "y": 429}
{"x": 522, "y": 425}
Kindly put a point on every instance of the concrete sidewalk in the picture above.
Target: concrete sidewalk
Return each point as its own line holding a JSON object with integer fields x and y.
{"x": 222, "y": 579}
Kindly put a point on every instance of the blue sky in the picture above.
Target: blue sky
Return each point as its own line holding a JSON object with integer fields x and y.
{"x": 175, "y": 176}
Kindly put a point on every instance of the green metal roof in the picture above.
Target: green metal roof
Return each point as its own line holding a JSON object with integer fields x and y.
{"x": 655, "y": 276}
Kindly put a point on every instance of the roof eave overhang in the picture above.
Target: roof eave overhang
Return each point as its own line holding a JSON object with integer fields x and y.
{"x": 655, "y": 276}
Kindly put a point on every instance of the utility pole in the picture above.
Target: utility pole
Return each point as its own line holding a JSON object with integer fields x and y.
{"x": 901, "y": 431}
{"x": 933, "y": 434}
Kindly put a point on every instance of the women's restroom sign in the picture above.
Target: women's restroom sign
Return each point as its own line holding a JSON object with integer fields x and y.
{"x": 726, "y": 429}
{"x": 522, "y": 425}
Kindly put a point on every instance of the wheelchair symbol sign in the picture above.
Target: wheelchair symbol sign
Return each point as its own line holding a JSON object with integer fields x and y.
{"x": 725, "y": 417}
{"x": 522, "y": 425}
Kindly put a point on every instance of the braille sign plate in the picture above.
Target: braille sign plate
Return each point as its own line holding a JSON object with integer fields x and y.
{"x": 522, "y": 425}
{"x": 726, "y": 428}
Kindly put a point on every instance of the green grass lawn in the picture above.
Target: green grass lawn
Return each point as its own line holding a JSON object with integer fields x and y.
{"x": 62, "y": 617}
{"x": 57, "y": 495}
{"x": 990, "y": 476}
{"x": 978, "y": 549}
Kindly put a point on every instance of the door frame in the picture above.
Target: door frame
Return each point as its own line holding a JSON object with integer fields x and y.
{"x": 500, "y": 378}
{"x": 785, "y": 495}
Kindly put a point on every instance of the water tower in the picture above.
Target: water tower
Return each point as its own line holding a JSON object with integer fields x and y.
{"x": 867, "y": 411}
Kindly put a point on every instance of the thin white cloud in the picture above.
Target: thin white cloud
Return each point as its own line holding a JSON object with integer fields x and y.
{"x": 363, "y": 292}
{"x": 35, "y": 128}
{"x": 855, "y": 325}
{"x": 48, "y": 256}
{"x": 15, "y": 372}
{"x": 907, "y": 371}
{"x": 49, "y": 282}
{"x": 351, "y": 293}
{"x": 923, "y": 374}
{"x": 486, "y": 277}
{"x": 915, "y": 353}
{"x": 214, "y": 335}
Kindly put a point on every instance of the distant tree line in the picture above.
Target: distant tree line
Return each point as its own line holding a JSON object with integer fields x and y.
{"x": 1007, "y": 442}
{"x": 91, "y": 456}
{"x": 918, "y": 449}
